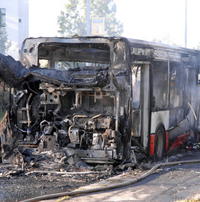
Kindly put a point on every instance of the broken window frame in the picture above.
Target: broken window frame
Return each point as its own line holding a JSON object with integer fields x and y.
{"x": 67, "y": 56}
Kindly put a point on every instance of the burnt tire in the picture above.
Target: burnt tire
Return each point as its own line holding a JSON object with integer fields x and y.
{"x": 160, "y": 143}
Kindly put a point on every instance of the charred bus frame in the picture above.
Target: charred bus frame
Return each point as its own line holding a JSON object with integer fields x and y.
{"x": 101, "y": 95}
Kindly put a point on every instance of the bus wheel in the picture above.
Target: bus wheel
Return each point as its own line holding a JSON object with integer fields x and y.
{"x": 160, "y": 143}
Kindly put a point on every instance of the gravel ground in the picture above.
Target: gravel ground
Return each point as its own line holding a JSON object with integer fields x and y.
{"x": 19, "y": 187}
{"x": 22, "y": 182}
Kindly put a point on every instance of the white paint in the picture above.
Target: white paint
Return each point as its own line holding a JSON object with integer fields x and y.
{"x": 160, "y": 117}
{"x": 16, "y": 23}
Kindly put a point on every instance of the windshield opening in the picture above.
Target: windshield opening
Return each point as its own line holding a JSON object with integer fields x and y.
{"x": 71, "y": 56}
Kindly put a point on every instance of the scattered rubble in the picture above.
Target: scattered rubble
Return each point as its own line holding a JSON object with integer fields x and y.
{"x": 47, "y": 172}
{"x": 63, "y": 162}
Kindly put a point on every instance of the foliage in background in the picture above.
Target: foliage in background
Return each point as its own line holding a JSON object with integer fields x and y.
{"x": 3, "y": 40}
{"x": 72, "y": 19}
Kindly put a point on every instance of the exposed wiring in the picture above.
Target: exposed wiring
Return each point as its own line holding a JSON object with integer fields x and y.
{"x": 33, "y": 91}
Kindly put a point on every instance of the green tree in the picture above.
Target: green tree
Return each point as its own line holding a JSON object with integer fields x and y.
{"x": 3, "y": 40}
{"x": 72, "y": 19}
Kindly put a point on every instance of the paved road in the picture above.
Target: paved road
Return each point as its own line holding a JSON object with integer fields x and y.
{"x": 170, "y": 184}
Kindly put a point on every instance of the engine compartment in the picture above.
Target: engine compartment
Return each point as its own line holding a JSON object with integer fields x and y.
{"x": 57, "y": 116}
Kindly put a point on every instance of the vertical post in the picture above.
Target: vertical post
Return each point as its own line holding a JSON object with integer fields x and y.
{"x": 88, "y": 21}
{"x": 145, "y": 102}
{"x": 117, "y": 111}
{"x": 168, "y": 83}
{"x": 186, "y": 23}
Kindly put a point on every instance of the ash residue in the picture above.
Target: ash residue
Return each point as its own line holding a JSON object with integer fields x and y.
{"x": 46, "y": 172}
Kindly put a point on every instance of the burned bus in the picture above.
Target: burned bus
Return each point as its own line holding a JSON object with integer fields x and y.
{"x": 101, "y": 96}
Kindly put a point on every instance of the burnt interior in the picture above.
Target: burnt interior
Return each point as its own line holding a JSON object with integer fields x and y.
{"x": 67, "y": 101}
{"x": 74, "y": 117}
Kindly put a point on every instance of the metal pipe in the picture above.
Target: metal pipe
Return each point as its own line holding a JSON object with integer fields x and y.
{"x": 117, "y": 112}
{"x": 77, "y": 99}
{"x": 27, "y": 109}
{"x": 193, "y": 112}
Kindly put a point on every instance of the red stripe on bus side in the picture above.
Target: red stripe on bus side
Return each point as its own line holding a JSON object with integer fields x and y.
{"x": 152, "y": 144}
{"x": 179, "y": 141}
